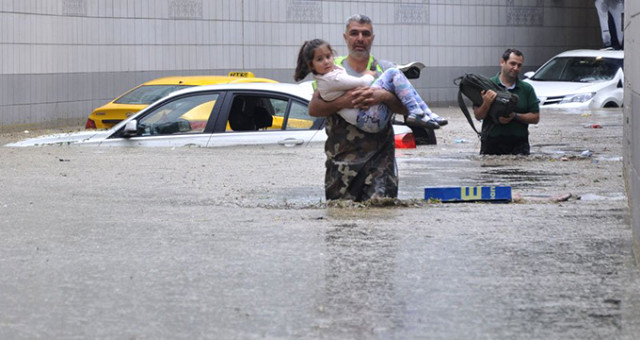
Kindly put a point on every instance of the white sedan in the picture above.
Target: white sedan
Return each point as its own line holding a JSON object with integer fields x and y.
{"x": 216, "y": 115}
{"x": 580, "y": 79}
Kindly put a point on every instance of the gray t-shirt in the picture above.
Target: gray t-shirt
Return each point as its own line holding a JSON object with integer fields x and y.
{"x": 384, "y": 64}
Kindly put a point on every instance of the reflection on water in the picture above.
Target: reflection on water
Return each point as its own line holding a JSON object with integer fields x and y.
{"x": 616, "y": 196}
{"x": 418, "y": 173}
{"x": 358, "y": 299}
{"x": 435, "y": 172}
{"x": 518, "y": 178}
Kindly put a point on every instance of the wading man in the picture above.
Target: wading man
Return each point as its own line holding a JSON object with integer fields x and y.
{"x": 511, "y": 135}
{"x": 360, "y": 165}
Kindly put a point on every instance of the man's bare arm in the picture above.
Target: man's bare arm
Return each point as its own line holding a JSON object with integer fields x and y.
{"x": 528, "y": 118}
{"x": 321, "y": 108}
{"x": 525, "y": 118}
{"x": 360, "y": 97}
{"x": 480, "y": 112}
{"x": 366, "y": 97}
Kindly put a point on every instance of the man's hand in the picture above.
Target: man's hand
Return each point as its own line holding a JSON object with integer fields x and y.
{"x": 488, "y": 96}
{"x": 361, "y": 97}
{"x": 365, "y": 97}
{"x": 345, "y": 101}
{"x": 507, "y": 119}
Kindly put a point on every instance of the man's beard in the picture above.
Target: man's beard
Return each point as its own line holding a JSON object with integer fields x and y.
{"x": 361, "y": 53}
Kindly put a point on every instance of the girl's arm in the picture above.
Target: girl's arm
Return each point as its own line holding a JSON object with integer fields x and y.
{"x": 340, "y": 81}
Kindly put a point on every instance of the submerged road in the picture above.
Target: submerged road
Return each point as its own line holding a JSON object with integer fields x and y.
{"x": 238, "y": 243}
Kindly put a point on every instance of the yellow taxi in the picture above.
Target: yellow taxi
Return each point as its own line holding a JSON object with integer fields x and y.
{"x": 143, "y": 95}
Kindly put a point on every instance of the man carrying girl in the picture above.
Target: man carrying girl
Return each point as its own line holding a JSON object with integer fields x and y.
{"x": 360, "y": 165}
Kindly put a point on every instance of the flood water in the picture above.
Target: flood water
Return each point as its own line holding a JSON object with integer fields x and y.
{"x": 238, "y": 243}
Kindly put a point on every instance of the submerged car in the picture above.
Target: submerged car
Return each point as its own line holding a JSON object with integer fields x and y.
{"x": 141, "y": 96}
{"x": 216, "y": 115}
{"x": 580, "y": 79}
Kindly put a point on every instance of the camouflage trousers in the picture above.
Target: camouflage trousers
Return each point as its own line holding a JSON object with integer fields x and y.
{"x": 360, "y": 165}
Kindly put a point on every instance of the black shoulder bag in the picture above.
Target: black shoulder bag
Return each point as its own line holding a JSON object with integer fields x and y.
{"x": 471, "y": 85}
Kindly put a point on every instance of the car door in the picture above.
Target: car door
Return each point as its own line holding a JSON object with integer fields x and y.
{"x": 185, "y": 120}
{"x": 261, "y": 117}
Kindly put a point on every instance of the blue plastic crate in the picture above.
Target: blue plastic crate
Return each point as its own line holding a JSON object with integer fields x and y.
{"x": 469, "y": 194}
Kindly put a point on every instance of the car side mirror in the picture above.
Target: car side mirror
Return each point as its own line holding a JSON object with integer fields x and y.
{"x": 130, "y": 129}
{"x": 529, "y": 74}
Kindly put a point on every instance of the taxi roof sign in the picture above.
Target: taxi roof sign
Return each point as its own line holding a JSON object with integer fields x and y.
{"x": 241, "y": 74}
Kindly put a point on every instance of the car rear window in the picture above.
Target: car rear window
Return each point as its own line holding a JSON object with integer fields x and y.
{"x": 148, "y": 94}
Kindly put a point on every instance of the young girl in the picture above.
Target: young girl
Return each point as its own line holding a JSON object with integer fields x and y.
{"x": 332, "y": 81}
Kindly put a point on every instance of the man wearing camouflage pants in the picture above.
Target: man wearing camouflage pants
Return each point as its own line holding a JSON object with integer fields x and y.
{"x": 360, "y": 166}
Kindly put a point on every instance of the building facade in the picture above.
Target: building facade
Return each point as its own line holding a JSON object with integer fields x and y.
{"x": 59, "y": 59}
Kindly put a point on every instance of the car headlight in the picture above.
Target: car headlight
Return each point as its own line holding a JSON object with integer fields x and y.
{"x": 578, "y": 98}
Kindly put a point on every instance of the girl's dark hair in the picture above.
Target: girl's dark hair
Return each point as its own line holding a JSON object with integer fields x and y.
{"x": 305, "y": 56}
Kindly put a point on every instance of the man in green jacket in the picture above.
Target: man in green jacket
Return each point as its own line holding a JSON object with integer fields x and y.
{"x": 511, "y": 136}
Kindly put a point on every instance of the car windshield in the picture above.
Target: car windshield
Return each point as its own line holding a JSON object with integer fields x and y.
{"x": 579, "y": 69}
{"x": 147, "y": 94}
{"x": 188, "y": 114}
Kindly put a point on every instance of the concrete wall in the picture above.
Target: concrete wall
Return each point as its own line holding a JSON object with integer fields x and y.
{"x": 61, "y": 58}
{"x": 630, "y": 122}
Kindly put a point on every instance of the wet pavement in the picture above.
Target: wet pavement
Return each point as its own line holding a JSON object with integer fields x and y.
{"x": 238, "y": 243}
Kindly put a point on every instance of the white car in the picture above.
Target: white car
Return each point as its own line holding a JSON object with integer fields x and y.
{"x": 580, "y": 79}
{"x": 216, "y": 115}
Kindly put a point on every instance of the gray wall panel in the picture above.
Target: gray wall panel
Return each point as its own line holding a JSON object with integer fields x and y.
{"x": 83, "y": 51}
